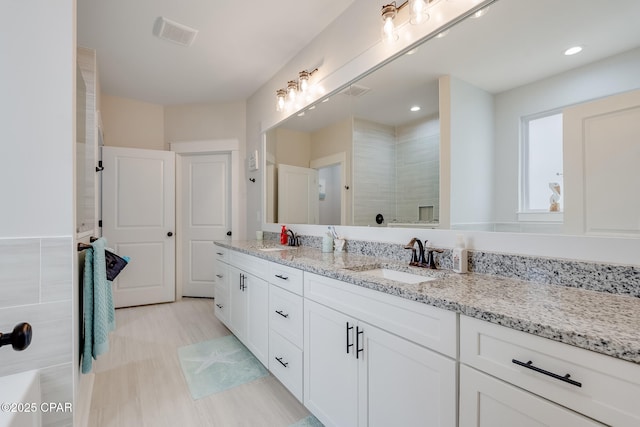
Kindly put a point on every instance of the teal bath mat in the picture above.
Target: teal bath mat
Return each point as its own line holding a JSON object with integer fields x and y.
{"x": 217, "y": 365}
{"x": 309, "y": 421}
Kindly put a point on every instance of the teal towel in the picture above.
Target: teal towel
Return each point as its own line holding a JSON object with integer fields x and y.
{"x": 99, "y": 313}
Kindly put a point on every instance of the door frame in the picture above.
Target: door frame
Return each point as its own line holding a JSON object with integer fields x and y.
{"x": 210, "y": 146}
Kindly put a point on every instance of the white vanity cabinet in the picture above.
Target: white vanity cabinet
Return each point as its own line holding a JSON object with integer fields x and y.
{"x": 508, "y": 378}
{"x": 365, "y": 359}
{"x": 242, "y": 300}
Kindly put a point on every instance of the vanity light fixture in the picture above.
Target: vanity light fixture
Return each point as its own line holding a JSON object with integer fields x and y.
{"x": 286, "y": 98}
{"x": 573, "y": 50}
{"x": 418, "y": 13}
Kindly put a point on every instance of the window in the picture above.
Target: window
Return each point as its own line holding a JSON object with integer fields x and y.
{"x": 541, "y": 172}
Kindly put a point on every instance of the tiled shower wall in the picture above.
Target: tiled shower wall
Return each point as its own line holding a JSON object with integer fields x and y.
{"x": 374, "y": 171}
{"x": 36, "y": 287}
{"x": 396, "y": 170}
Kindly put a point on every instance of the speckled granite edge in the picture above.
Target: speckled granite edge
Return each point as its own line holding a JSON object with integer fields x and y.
{"x": 595, "y": 321}
{"x": 613, "y": 279}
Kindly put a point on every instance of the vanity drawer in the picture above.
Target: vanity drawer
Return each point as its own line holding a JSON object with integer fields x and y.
{"x": 608, "y": 387}
{"x": 221, "y": 305}
{"x": 285, "y": 314}
{"x": 423, "y": 324}
{"x": 222, "y": 253}
{"x": 250, "y": 264}
{"x": 288, "y": 278}
{"x": 285, "y": 362}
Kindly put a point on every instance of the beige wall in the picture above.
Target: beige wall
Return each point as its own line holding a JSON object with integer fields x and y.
{"x": 332, "y": 140}
{"x": 293, "y": 147}
{"x": 137, "y": 124}
{"x": 130, "y": 123}
{"x": 194, "y": 122}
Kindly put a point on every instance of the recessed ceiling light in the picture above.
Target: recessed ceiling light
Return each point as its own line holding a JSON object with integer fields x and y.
{"x": 301, "y": 114}
{"x": 415, "y": 108}
{"x": 325, "y": 100}
{"x": 481, "y": 12}
{"x": 313, "y": 107}
{"x": 573, "y": 50}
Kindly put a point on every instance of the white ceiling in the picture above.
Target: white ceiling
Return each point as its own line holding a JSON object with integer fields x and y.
{"x": 515, "y": 43}
{"x": 239, "y": 47}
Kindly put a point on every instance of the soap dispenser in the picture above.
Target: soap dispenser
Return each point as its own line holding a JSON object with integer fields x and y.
{"x": 459, "y": 254}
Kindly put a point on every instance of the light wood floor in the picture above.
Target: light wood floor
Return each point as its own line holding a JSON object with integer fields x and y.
{"x": 139, "y": 382}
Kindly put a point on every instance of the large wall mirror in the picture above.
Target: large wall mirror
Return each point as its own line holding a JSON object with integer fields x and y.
{"x": 488, "y": 126}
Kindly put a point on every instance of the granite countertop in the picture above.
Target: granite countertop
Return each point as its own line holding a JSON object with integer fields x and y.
{"x": 601, "y": 322}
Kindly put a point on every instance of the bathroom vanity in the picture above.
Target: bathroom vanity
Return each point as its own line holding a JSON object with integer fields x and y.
{"x": 412, "y": 346}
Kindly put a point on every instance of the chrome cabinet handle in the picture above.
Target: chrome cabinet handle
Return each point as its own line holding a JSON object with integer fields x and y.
{"x": 219, "y": 276}
{"x": 565, "y": 378}
{"x": 220, "y": 306}
{"x": 279, "y": 276}
{"x": 282, "y": 314}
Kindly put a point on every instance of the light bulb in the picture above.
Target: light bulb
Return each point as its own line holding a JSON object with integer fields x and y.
{"x": 281, "y": 94}
{"x": 389, "y": 33}
{"x": 418, "y": 12}
{"x": 303, "y": 80}
{"x": 292, "y": 89}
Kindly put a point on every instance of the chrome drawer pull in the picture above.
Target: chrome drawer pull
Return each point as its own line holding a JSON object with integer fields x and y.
{"x": 348, "y": 344}
{"x": 282, "y": 314}
{"x": 220, "y": 253}
{"x": 220, "y": 306}
{"x": 279, "y": 276}
{"x": 529, "y": 365}
{"x": 219, "y": 276}
{"x": 285, "y": 364}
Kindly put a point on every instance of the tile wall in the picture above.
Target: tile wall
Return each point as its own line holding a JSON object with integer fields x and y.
{"x": 36, "y": 287}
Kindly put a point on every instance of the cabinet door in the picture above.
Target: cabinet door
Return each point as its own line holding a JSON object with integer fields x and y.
{"x": 237, "y": 302}
{"x": 402, "y": 383}
{"x": 330, "y": 366}
{"x": 257, "y": 299}
{"x": 489, "y": 402}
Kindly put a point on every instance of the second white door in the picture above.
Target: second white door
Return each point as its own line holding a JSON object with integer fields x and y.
{"x": 206, "y": 217}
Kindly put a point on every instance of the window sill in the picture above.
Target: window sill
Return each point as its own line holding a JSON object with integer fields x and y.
{"x": 541, "y": 217}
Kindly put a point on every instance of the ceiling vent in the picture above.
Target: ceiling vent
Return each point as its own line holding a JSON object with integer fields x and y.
{"x": 355, "y": 90}
{"x": 169, "y": 30}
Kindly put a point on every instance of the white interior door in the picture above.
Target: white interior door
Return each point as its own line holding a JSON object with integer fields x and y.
{"x": 297, "y": 195}
{"x": 601, "y": 158}
{"x": 138, "y": 220}
{"x": 206, "y": 216}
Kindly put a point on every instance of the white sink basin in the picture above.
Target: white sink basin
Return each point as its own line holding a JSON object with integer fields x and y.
{"x": 21, "y": 388}
{"x": 398, "y": 276}
{"x": 272, "y": 249}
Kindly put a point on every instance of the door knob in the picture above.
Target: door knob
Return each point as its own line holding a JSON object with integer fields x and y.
{"x": 169, "y": 234}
